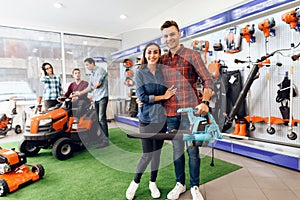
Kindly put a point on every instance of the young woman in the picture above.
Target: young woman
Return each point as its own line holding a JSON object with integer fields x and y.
{"x": 152, "y": 119}
{"x": 52, "y": 86}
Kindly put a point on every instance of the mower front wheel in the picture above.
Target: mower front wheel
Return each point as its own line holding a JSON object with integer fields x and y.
{"x": 38, "y": 169}
{"x": 18, "y": 129}
{"x": 28, "y": 149}
{"x": 63, "y": 149}
{"x": 3, "y": 188}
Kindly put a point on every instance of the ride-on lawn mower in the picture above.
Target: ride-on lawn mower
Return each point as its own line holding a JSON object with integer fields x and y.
{"x": 58, "y": 129}
{"x": 6, "y": 122}
{"x": 15, "y": 173}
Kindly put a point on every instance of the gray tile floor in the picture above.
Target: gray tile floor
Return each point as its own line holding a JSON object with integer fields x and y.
{"x": 256, "y": 180}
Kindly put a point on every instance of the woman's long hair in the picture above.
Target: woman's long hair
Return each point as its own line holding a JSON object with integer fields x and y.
{"x": 144, "y": 60}
{"x": 44, "y": 68}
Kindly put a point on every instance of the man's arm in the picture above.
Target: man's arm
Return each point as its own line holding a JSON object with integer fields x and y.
{"x": 207, "y": 82}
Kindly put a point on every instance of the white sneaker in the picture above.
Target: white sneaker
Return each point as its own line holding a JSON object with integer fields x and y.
{"x": 177, "y": 190}
{"x": 196, "y": 194}
{"x": 130, "y": 192}
{"x": 155, "y": 193}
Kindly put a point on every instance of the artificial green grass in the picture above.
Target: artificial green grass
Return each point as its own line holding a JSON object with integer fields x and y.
{"x": 104, "y": 174}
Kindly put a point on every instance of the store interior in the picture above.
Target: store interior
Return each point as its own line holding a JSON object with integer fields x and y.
{"x": 258, "y": 40}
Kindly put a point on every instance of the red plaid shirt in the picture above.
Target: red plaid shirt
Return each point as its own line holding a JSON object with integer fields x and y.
{"x": 182, "y": 71}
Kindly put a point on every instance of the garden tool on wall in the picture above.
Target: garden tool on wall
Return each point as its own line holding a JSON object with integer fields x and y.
{"x": 248, "y": 33}
{"x": 292, "y": 19}
{"x": 233, "y": 41}
{"x": 283, "y": 97}
{"x": 270, "y": 119}
{"x": 267, "y": 27}
{"x": 251, "y": 77}
{"x": 129, "y": 74}
{"x": 201, "y": 45}
{"x": 214, "y": 68}
{"x": 291, "y": 135}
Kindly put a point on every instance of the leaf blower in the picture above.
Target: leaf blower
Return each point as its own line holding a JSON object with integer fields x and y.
{"x": 292, "y": 18}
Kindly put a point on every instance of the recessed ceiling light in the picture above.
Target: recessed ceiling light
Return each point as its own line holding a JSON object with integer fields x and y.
{"x": 58, "y": 5}
{"x": 122, "y": 16}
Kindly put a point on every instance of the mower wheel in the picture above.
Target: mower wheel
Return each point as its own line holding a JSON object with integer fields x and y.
{"x": 38, "y": 169}
{"x": 28, "y": 149}
{"x": 271, "y": 130}
{"x": 4, "y": 131}
{"x": 63, "y": 149}
{"x": 18, "y": 129}
{"x": 3, "y": 188}
{"x": 252, "y": 127}
{"x": 292, "y": 136}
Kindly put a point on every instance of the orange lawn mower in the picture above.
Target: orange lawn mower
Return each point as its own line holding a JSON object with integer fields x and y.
{"x": 6, "y": 122}
{"x": 15, "y": 173}
{"x": 58, "y": 129}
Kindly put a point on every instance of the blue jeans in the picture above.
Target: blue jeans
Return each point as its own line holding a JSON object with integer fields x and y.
{"x": 100, "y": 107}
{"x": 182, "y": 123}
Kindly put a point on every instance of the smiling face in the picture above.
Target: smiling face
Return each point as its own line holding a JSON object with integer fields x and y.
{"x": 49, "y": 69}
{"x": 171, "y": 37}
{"x": 152, "y": 54}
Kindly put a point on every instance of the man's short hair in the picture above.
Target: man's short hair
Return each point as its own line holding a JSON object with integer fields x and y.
{"x": 168, "y": 24}
{"x": 90, "y": 60}
{"x": 75, "y": 69}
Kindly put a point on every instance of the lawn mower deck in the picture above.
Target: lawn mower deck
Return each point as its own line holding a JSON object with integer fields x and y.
{"x": 15, "y": 173}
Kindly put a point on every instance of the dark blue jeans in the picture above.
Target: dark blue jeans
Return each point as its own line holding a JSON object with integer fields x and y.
{"x": 100, "y": 107}
{"x": 182, "y": 123}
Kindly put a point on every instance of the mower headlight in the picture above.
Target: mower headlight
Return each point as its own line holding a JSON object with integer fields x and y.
{"x": 45, "y": 122}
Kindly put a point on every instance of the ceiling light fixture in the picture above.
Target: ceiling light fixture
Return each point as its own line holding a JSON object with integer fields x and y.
{"x": 58, "y": 5}
{"x": 122, "y": 16}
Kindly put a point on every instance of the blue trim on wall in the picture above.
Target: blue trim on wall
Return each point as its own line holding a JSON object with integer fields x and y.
{"x": 127, "y": 120}
{"x": 259, "y": 154}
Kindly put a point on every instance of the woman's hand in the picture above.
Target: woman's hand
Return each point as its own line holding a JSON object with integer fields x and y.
{"x": 170, "y": 92}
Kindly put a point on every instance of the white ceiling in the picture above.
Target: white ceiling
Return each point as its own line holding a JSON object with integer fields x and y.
{"x": 101, "y": 17}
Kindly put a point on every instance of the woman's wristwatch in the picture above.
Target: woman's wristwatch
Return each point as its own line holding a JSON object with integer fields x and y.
{"x": 205, "y": 102}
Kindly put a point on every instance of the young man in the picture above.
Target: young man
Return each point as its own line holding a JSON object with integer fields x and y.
{"x": 81, "y": 101}
{"x": 182, "y": 67}
{"x": 98, "y": 85}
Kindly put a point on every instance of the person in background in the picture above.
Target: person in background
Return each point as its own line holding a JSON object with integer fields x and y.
{"x": 152, "y": 119}
{"x": 182, "y": 67}
{"x": 78, "y": 102}
{"x": 98, "y": 85}
{"x": 52, "y": 86}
